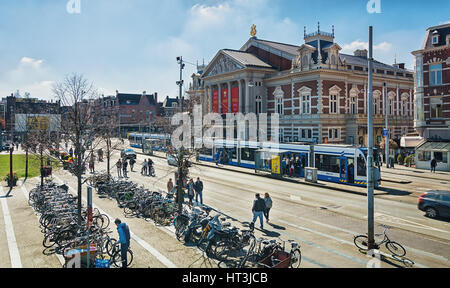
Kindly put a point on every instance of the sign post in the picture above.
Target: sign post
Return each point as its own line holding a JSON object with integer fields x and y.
{"x": 89, "y": 223}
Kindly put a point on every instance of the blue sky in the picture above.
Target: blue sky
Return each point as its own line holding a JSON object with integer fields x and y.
{"x": 131, "y": 45}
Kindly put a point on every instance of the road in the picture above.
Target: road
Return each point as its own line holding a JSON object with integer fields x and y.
{"x": 322, "y": 220}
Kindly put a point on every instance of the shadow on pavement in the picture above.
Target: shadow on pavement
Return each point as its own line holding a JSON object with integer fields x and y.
{"x": 394, "y": 192}
{"x": 278, "y": 227}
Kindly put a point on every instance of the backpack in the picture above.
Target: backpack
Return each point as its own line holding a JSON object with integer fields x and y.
{"x": 126, "y": 230}
{"x": 268, "y": 202}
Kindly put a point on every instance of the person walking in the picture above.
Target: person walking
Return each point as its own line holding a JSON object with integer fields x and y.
{"x": 217, "y": 157}
{"x": 283, "y": 166}
{"x": 268, "y": 203}
{"x": 151, "y": 169}
{"x": 124, "y": 168}
{"x": 119, "y": 168}
{"x": 132, "y": 161}
{"x": 124, "y": 240}
{"x": 198, "y": 187}
{"x": 259, "y": 206}
{"x": 71, "y": 152}
{"x": 433, "y": 165}
{"x": 292, "y": 166}
{"x": 91, "y": 164}
{"x": 144, "y": 167}
{"x": 169, "y": 185}
{"x": 190, "y": 187}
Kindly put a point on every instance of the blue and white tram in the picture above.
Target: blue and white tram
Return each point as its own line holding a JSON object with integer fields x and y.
{"x": 298, "y": 153}
{"x": 247, "y": 151}
{"x": 343, "y": 164}
{"x": 227, "y": 151}
{"x": 206, "y": 153}
{"x": 159, "y": 142}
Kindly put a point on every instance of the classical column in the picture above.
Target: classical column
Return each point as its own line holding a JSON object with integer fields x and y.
{"x": 247, "y": 96}
{"x": 241, "y": 98}
{"x": 210, "y": 99}
{"x": 398, "y": 101}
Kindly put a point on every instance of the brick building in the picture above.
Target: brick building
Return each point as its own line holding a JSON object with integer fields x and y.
{"x": 432, "y": 98}
{"x": 320, "y": 93}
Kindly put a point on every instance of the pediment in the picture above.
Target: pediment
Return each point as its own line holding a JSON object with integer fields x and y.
{"x": 336, "y": 89}
{"x": 222, "y": 64}
{"x": 304, "y": 90}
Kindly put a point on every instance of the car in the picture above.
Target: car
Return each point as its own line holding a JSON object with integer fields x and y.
{"x": 173, "y": 161}
{"x": 128, "y": 154}
{"x": 435, "y": 203}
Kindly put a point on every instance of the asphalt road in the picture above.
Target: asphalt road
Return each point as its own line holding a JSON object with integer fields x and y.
{"x": 323, "y": 221}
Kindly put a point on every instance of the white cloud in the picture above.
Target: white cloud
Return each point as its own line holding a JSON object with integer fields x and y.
{"x": 30, "y": 75}
{"x": 355, "y": 45}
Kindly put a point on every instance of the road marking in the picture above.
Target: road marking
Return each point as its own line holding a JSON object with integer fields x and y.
{"x": 14, "y": 254}
{"x": 397, "y": 220}
{"x": 27, "y": 195}
{"x": 141, "y": 242}
{"x": 296, "y": 198}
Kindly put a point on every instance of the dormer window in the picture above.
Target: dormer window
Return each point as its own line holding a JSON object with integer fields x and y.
{"x": 435, "y": 38}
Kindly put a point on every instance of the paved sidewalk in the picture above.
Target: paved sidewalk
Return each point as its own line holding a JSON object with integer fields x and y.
{"x": 413, "y": 172}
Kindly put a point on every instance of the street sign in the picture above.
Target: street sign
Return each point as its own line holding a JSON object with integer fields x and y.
{"x": 385, "y": 132}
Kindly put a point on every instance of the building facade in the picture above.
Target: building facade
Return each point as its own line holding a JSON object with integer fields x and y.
{"x": 432, "y": 98}
{"x": 320, "y": 94}
{"x": 432, "y": 84}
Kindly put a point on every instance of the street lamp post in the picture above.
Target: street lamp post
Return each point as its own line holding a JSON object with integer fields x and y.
{"x": 370, "y": 182}
{"x": 386, "y": 145}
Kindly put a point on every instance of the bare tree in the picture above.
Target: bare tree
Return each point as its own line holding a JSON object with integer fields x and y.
{"x": 76, "y": 95}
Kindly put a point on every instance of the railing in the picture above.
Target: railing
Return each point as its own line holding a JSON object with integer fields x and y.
{"x": 319, "y": 33}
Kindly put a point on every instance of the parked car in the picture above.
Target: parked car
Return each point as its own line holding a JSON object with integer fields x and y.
{"x": 435, "y": 203}
{"x": 172, "y": 161}
{"x": 128, "y": 154}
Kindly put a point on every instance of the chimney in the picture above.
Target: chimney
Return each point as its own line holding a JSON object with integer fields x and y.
{"x": 117, "y": 92}
{"x": 156, "y": 97}
{"x": 361, "y": 53}
{"x": 144, "y": 93}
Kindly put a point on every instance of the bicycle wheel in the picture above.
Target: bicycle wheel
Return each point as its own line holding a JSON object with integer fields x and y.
{"x": 110, "y": 246}
{"x": 396, "y": 248}
{"x": 117, "y": 258}
{"x": 362, "y": 242}
{"x": 296, "y": 258}
{"x": 179, "y": 232}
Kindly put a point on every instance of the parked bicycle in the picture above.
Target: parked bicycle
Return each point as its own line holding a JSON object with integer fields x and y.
{"x": 362, "y": 242}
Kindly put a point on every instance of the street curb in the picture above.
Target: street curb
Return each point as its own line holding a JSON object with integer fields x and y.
{"x": 275, "y": 178}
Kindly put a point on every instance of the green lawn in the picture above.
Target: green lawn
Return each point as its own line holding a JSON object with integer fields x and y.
{"x": 34, "y": 165}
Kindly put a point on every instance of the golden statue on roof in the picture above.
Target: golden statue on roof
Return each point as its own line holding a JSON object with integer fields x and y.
{"x": 253, "y": 31}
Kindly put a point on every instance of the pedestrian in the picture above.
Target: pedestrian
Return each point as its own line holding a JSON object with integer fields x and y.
{"x": 124, "y": 168}
{"x": 169, "y": 185}
{"x": 151, "y": 169}
{"x": 283, "y": 166}
{"x": 268, "y": 203}
{"x": 198, "y": 187}
{"x": 259, "y": 206}
{"x": 91, "y": 164}
{"x": 124, "y": 240}
{"x": 144, "y": 167}
{"x": 217, "y": 157}
{"x": 292, "y": 165}
{"x": 190, "y": 187}
{"x": 100, "y": 155}
{"x": 119, "y": 168}
{"x": 71, "y": 152}
{"x": 132, "y": 161}
{"x": 433, "y": 165}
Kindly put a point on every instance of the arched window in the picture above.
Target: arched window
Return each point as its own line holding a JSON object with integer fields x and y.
{"x": 391, "y": 101}
{"x": 354, "y": 92}
{"x": 334, "y": 99}
{"x": 279, "y": 96}
{"x": 305, "y": 100}
{"x": 404, "y": 104}
{"x": 376, "y": 102}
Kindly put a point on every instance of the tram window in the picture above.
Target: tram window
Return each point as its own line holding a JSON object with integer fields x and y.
{"x": 234, "y": 153}
{"x": 327, "y": 163}
{"x": 248, "y": 154}
{"x": 206, "y": 151}
{"x": 362, "y": 169}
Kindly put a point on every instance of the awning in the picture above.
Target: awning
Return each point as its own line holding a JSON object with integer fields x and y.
{"x": 410, "y": 142}
{"x": 435, "y": 147}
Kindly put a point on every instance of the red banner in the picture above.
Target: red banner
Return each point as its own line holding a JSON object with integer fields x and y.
{"x": 235, "y": 100}
{"x": 224, "y": 101}
{"x": 215, "y": 101}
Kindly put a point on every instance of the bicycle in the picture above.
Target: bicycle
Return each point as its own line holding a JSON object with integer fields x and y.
{"x": 116, "y": 257}
{"x": 361, "y": 241}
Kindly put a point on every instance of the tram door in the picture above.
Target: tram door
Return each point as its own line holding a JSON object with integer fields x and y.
{"x": 347, "y": 170}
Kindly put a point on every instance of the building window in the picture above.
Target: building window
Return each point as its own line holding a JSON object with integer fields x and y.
{"x": 305, "y": 133}
{"x": 435, "y": 39}
{"x": 436, "y": 74}
{"x": 376, "y": 106}
{"x": 258, "y": 105}
{"x": 391, "y": 107}
{"x": 280, "y": 109}
{"x": 334, "y": 104}
{"x": 436, "y": 108}
{"x": 353, "y": 106}
{"x": 441, "y": 157}
{"x": 281, "y": 135}
{"x": 306, "y": 104}
{"x": 404, "y": 107}
{"x": 334, "y": 133}
{"x": 424, "y": 155}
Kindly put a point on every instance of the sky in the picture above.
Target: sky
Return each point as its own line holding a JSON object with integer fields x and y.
{"x": 131, "y": 46}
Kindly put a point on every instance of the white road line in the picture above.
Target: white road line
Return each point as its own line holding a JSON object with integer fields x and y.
{"x": 141, "y": 242}
{"x": 27, "y": 195}
{"x": 14, "y": 254}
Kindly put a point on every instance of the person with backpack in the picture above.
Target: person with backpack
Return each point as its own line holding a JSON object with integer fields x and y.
{"x": 268, "y": 203}
{"x": 259, "y": 206}
{"x": 124, "y": 240}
